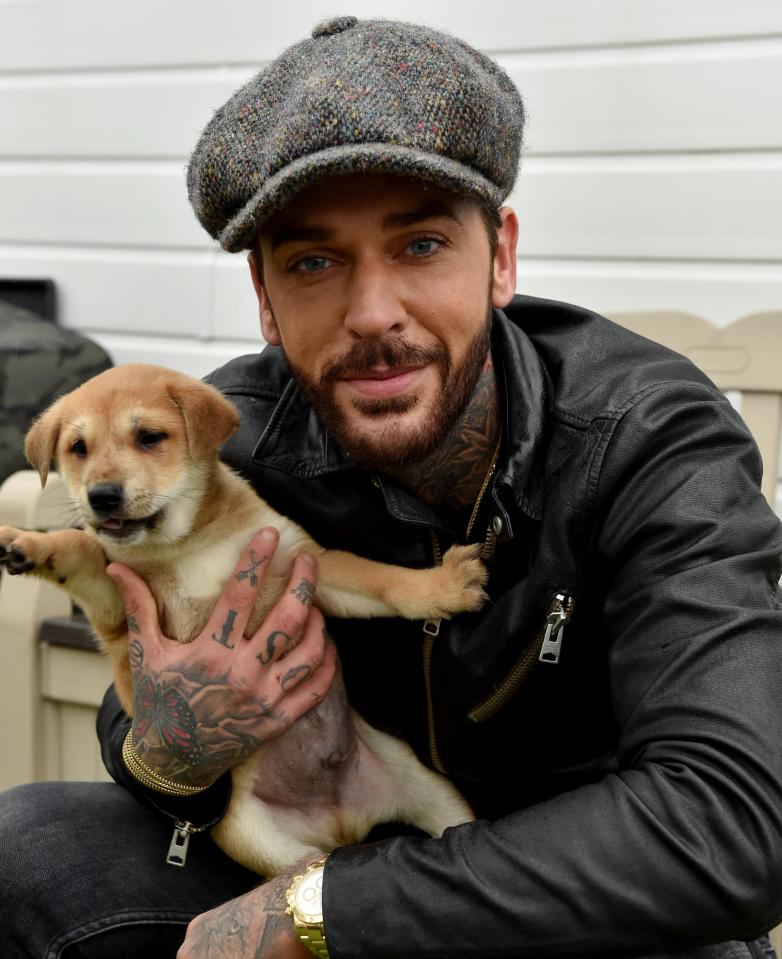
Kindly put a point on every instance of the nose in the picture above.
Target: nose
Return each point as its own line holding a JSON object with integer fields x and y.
{"x": 374, "y": 306}
{"x": 105, "y": 497}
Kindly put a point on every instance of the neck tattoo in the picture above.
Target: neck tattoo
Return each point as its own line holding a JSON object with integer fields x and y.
{"x": 452, "y": 476}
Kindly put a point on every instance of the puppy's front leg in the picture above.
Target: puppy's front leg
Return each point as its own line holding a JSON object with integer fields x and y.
{"x": 352, "y": 586}
{"x": 72, "y": 560}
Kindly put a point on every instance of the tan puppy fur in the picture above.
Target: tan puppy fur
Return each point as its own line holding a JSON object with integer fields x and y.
{"x": 184, "y": 520}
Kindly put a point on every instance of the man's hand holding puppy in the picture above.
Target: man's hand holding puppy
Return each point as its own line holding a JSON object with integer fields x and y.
{"x": 202, "y": 707}
{"x": 253, "y": 925}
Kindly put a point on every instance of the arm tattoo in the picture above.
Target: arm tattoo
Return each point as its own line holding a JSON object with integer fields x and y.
{"x": 135, "y": 654}
{"x": 304, "y": 592}
{"x": 133, "y": 626}
{"x": 295, "y": 676}
{"x": 228, "y": 625}
{"x": 249, "y": 573}
{"x": 271, "y": 643}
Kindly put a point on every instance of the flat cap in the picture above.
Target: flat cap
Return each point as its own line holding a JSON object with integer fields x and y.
{"x": 358, "y": 96}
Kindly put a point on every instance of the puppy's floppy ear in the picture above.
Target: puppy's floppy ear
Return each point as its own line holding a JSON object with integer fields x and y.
{"x": 210, "y": 419}
{"x": 41, "y": 440}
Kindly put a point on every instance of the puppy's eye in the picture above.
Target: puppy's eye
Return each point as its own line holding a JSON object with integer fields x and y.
{"x": 79, "y": 448}
{"x": 150, "y": 438}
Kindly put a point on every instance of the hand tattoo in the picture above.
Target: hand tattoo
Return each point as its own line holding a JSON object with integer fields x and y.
{"x": 135, "y": 653}
{"x": 304, "y": 592}
{"x": 133, "y": 626}
{"x": 187, "y": 712}
{"x": 167, "y": 712}
{"x": 249, "y": 573}
{"x": 210, "y": 931}
{"x": 271, "y": 644}
{"x": 277, "y": 922}
{"x": 295, "y": 676}
{"x": 228, "y": 625}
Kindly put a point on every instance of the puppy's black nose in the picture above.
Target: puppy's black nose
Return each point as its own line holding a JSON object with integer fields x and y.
{"x": 105, "y": 497}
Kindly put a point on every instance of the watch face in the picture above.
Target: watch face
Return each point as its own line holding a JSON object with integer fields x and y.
{"x": 308, "y": 897}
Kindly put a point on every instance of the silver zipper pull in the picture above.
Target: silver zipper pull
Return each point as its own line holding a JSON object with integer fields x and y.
{"x": 180, "y": 841}
{"x": 432, "y": 627}
{"x": 559, "y": 614}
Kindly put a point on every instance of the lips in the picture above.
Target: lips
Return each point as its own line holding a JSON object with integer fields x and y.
{"x": 384, "y": 381}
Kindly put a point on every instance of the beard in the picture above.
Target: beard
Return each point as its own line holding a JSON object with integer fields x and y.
{"x": 392, "y": 444}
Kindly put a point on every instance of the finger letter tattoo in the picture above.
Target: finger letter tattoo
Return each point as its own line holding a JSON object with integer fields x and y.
{"x": 304, "y": 592}
{"x": 295, "y": 676}
{"x": 271, "y": 645}
{"x": 133, "y": 626}
{"x": 135, "y": 653}
{"x": 249, "y": 573}
{"x": 228, "y": 625}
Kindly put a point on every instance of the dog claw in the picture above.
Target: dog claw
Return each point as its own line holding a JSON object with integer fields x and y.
{"x": 15, "y": 562}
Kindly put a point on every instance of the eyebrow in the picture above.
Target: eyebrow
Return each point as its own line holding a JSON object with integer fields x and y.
{"x": 431, "y": 209}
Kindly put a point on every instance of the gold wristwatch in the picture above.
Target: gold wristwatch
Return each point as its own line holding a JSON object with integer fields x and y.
{"x": 305, "y": 904}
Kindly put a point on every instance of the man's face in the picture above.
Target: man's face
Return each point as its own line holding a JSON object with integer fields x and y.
{"x": 379, "y": 290}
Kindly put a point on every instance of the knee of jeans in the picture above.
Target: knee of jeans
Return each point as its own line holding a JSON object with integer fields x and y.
{"x": 31, "y": 836}
{"x": 17, "y": 809}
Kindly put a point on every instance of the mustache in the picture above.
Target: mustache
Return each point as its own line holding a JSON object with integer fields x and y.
{"x": 366, "y": 354}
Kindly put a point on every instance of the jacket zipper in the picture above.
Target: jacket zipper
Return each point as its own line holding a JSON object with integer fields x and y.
{"x": 545, "y": 648}
{"x": 431, "y": 629}
{"x": 180, "y": 841}
{"x": 432, "y": 626}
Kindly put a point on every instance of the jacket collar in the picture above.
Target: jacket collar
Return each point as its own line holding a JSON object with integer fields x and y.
{"x": 526, "y": 391}
{"x": 296, "y": 442}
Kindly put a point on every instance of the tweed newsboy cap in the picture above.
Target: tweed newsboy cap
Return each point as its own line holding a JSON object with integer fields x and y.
{"x": 357, "y": 96}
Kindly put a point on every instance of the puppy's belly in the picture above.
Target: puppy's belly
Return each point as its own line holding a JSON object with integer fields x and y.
{"x": 312, "y": 762}
{"x": 320, "y": 785}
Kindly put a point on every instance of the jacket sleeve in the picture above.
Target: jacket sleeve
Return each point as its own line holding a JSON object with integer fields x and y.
{"x": 683, "y": 845}
{"x": 203, "y": 809}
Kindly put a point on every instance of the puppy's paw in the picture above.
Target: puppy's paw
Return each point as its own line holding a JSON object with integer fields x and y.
{"x": 463, "y": 575}
{"x": 25, "y": 552}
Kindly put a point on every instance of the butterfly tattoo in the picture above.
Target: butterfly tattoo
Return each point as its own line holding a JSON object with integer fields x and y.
{"x": 167, "y": 711}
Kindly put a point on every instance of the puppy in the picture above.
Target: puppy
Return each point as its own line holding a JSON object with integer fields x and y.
{"x": 137, "y": 447}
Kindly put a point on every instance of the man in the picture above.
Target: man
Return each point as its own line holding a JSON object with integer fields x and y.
{"x": 611, "y": 715}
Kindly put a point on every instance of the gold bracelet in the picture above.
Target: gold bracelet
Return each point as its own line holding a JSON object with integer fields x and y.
{"x": 137, "y": 768}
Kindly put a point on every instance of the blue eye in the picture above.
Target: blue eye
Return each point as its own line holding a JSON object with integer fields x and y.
{"x": 424, "y": 246}
{"x": 311, "y": 264}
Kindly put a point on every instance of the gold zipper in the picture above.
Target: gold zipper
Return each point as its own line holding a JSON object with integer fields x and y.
{"x": 432, "y": 626}
{"x": 544, "y": 648}
{"x": 431, "y": 629}
{"x": 486, "y": 481}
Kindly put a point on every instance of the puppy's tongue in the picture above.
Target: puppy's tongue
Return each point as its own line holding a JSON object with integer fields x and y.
{"x": 113, "y": 524}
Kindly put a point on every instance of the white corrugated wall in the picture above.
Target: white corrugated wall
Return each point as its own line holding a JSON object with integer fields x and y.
{"x": 652, "y": 177}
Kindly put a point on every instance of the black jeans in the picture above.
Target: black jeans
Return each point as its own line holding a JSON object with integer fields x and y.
{"x": 83, "y": 876}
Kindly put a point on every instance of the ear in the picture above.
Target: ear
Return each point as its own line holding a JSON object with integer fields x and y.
{"x": 269, "y": 328}
{"x": 503, "y": 284}
{"x": 210, "y": 419}
{"x": 41, "y": 440}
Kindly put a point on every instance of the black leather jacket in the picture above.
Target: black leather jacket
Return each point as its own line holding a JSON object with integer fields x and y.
{"x": 628, "y": 794}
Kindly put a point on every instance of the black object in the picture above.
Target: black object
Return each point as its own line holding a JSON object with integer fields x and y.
{"x": 37, "y": 296}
